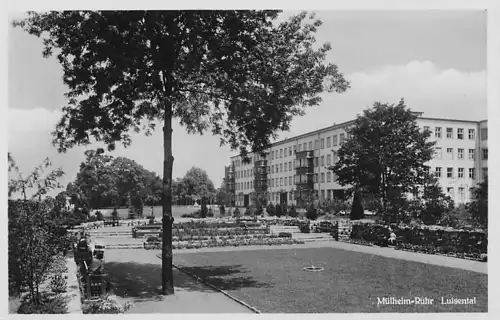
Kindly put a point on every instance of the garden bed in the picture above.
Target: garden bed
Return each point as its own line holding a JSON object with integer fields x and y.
{"x": 223, "y": 242}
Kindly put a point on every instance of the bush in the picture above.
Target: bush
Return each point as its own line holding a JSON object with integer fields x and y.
{"x": 236, "y": 213}
{"x": 284, "y": 235}
{"x": 109, "y": 305}
{"x": 305, "y": 227}
{"x": 114, "y": 214}
{"x": 222, "y": 210}
{"x": 99, "y": 216}
{"x": 357, "y": 211}
{"x": 259, "y": 210}
{"x": 292, "y": 212}
{"x": 312, "y": 213}
{"x": 278, "y": 211}
{"x": 271, "y": 210}
{"x": 210, "y": 213}
{"x": 247, "y": 212}
{"x": 49, "y": 304}
{"x": 58, "y": 284}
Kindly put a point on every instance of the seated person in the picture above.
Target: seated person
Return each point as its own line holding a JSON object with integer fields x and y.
{"x": 392, "y": 238}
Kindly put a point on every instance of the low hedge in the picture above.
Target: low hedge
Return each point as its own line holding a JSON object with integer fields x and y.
{"x": 224, "y": 243}
{"x": 425, "y": 239}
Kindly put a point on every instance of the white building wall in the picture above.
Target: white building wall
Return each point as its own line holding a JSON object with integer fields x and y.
{"x": 279, "y": 154}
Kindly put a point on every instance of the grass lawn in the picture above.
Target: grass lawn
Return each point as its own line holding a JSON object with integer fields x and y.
{"x": 273, "y": 281}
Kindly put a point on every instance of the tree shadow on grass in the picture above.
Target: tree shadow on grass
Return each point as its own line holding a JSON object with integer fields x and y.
{"x": 142, "y": 281}
{"x": 226, "y": 277}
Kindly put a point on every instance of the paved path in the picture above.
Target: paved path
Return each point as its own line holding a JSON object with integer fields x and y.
{"x": 136, "y": 276}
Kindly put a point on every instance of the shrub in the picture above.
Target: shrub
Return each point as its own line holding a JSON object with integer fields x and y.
{"x": 210, "y": 213}
{"x": 109, "y": 305}
{"x": 151, "y": 221}
{"x": 292, "y": 212}
{"x": 222, "y": 210}
{"x": 58, "y": 283}
{"x": 259, "y": 210}
{"x": 48, "y": 304}
{"x": 305, "y": 227}
{"x": 284, "y": 235}
{"x": 357, "y": 211}
{"x": 114, "y": 214}
{"x": 236, "y": 213}
{"x": 278, "y": 211}
{"x": 99, "y": 216}
{"x": 312, "y": 213}
{"x": 271, "y": 210}
{"x": 247, "y": 212}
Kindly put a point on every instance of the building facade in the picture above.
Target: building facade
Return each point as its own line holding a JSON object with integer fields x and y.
{"x": 297, "y": 167}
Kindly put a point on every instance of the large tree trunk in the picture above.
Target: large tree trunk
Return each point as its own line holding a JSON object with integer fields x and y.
{"x": 168, "y": 162}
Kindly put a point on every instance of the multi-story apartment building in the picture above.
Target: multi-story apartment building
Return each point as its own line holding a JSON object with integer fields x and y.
{"x": 299, "y": 165}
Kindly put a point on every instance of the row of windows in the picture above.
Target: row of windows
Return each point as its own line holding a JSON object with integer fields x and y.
{"x": 450, "y": 154}
{"x": 450, "y": 191}
{"x": 308, "y": 146}
{"x": 460, "y": 133}
{"x": 450, "y": 172}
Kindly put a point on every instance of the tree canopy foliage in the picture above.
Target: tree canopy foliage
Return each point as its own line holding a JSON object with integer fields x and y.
{"x": 385, "y": 154}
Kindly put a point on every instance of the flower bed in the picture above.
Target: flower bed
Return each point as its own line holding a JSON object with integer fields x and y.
{"x": 430, "y": 240}
{"x": 224, "y": 241}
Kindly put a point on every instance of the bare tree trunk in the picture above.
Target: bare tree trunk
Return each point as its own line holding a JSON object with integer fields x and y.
{"x": 168, "y": 162}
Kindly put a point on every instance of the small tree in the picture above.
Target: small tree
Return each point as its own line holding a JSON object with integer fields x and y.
{"x": 292, "y": 212}
{"x": 271, "y": 210}
{"x": 114, "y": 214}
{"x": 312, "y": 213}
{"x": 278, "y": 211}
{"x": 478, "y": 207}
{"x": 357, "y": 211}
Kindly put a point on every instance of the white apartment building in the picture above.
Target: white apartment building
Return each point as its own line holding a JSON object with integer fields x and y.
{"x": 460, "y": 161}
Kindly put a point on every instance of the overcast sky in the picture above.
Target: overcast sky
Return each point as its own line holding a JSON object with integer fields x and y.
{"x": 435, "y": 60}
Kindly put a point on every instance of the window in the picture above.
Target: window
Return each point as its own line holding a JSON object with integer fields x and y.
{"x": 427, "y": 128}
{"x": 485, "y": 153}
{"x": 460, "y": 133}
{"x": 437, "y": 132}
{"x": 290, "y": 196}
{"x": 290, "y": 180}
{"x": 281, "y": 182}
{"x": 322, "y": 143}
{"x": 328, "y": 159}
{"x": 328, "y": 142}
{"x": 461, "y": 173}
{"x": 285, "y": 166}
{"x": 272, "y": 155}
{"x": 472, "y": 134}
{"x": 315, "y": 178}
{"x": 485, "y": 173}
{"x": 290, "y": 166}
{"x": 449, "y": 172}
{"x": 449, "y": 133}
{"x": 471, "y": 154}
{"x": 484, "y": 133}
{"x": 460, "y": 153}
{"x": 290, "y": 150}
{"x": 322, "y": 161}
{"x": 281, "y": 153}
{"x": 461, "y": 193}
{"x": 294, "y": 149}
{"x": 328, "y": 176}
{"x": 296, "y": 179}
{"x": 316, "y": 144}
{"x": 449, "y": 153}
{"x": 322, "y": 177}
{"x": 341, "y": 138}
{"x": 472, "y": 173}
{"x": 281, "y": 167}
{"x": 286, "y": 153}
{"x": 334, "y": 140}
{"x": 310, "y": 145}
{"x": 316, "y": 161}
{"x": 272, "y": 169}
{"x": 300, "y": 147}
{"x": 304, "y": 146}
{"x": 438, "y": 153}
{"x": 450, "y": 192}
{"x": 438, "y": 172}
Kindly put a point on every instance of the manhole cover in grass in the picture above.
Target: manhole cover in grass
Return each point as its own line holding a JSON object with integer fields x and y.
{"x": 313, "y": 269}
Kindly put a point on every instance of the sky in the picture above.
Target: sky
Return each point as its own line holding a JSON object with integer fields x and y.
{"x": 435, "y": 60}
